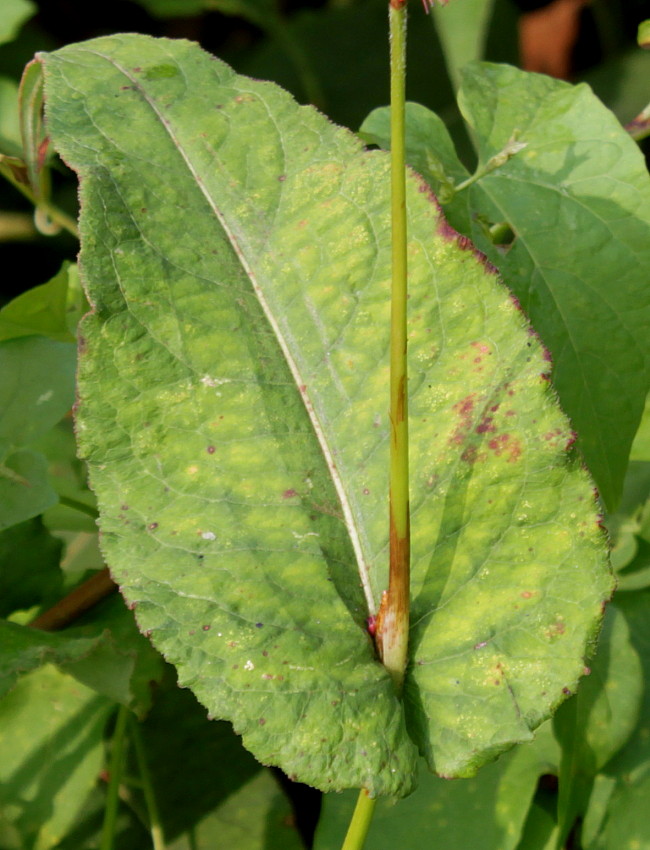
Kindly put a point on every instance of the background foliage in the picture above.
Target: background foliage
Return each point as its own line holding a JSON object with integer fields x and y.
{"x": 582, "y": 782}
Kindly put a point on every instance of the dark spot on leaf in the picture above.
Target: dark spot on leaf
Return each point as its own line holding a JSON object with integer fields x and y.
{"x": 526, "y": 594}
{"x": 469, "y": 455}
{"x": 485, "y": 425}
{"x": 366, "y": 491}
{"x": 566, "y": 691}
{"x": 153, "y": 525}
{"x": 124, "y": 507}
{"x": 143, "y": 210}
{"x": 206, "y": 628}
{"x": 258, "y": 625}
{"x": 211, "y": 450}
{"x": 289, "y": 494}
{"x": 282, "y": 178}
{"x": 262, "y": 721}
{"x": 264, "y": 653}
{"x": 192, "y": 632}
{"x": 147, "y": 633}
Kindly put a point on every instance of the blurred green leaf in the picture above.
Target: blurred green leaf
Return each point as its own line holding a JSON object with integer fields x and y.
{"x": 37, "y": 379}
{"x": 51, "y": 731}
{"x": 29, "y": 567}
{"x": 462, "y": 29}
{"x": 596, "y": 723}
{"x": 622, "y": 83}
{"x": 42, "y": 310}
{"x": 10, "y": 142}
{"x": 13, "y": 14}
{"x": 486, "y": 812}
{"x": 123, "y": 664}
{"x": 197, "y": 768}
{"x": 578, "y": 201}
{"x": 24, "y": 649}
{"x": 641, "y": 444}
{"x": 615, "y": 804}
{"x": 25, "y": 491}
{"x": 256, "y": 817}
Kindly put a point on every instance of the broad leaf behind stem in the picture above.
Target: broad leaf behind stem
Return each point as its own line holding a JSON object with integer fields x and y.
{"x": 233, "y": 396}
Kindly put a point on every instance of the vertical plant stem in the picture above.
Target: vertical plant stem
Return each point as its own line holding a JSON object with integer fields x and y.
{"x": 155, "y": 827}
{"x": 360, "y": 823}
{"x": 394, "y": 624}
{"x": 115, "y": 777}
{"x": 393, "y": 618}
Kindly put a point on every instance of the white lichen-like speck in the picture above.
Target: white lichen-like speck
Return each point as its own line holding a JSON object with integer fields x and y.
{"x": 45, "y": 397}
{"x": 249, "y": 665}
{"x": 208, "y": 535}
{"x": 209, "y": 381}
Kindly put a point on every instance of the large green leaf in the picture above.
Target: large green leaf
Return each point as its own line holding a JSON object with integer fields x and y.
{"x": 578, "y": 201}
{"x": 236, "y": 249}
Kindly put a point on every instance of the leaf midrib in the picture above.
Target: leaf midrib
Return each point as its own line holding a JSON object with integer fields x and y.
{"x": 299, "y": 382}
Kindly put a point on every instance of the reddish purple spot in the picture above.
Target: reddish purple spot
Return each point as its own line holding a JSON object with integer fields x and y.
{"x": 485, "y": 425}
{"x": 206, "y": 628}
{"x": 153, "y": 525}
{"x": 586, "y": 671}
{"x": 566, "y": 691}
{"x": 211, "y": 450}
{"x": 262, "y": 721}
{"x": 259, "y": 625}
{"x": 282, "y": 178}
{"x": 371, "y": 625}
{"x": 289, "y": 494}
{"x": 137, "y": 70}
{"x": 572, "y": 438}
{"x": 516, "y": 302}
{"x": 470, "y": 455}
{"x": 546, "y": 354}
{"x": 366, "y": 491}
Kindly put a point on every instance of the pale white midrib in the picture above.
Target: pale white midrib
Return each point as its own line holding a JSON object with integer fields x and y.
{"x": 319, "y": 431}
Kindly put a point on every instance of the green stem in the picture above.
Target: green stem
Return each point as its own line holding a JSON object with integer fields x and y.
{"x": 53, "y": 213}
{"x": 76, "y": 505}
{"x": 147, "y": 787}
{"x": 360, "y": 823}
{"x": 394, "y": 616}
{"x": 115, "y": 777}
